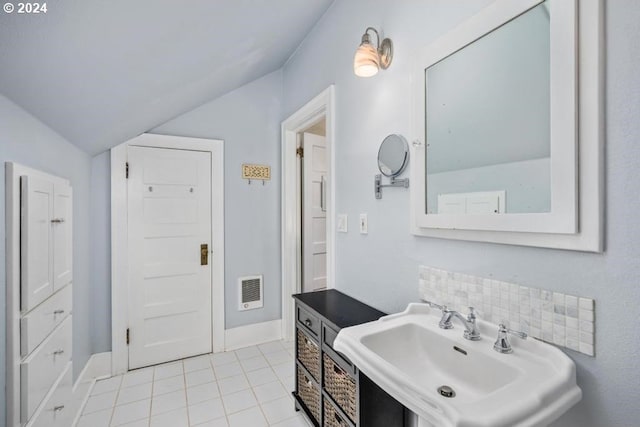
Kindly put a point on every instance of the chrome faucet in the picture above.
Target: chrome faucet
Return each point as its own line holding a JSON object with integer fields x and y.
{"x": 471, "y": 331}
{"x": 502, "y": 344}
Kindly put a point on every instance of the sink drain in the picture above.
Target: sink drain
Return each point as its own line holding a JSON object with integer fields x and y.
{"x": 446, "y": 391}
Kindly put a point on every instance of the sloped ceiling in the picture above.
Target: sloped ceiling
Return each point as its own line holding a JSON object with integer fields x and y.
{"x": 102, "y": 71}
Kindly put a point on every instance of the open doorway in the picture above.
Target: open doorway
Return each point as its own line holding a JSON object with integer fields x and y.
{"x": 313, "y": 206}
{"x": 301, "y": 131}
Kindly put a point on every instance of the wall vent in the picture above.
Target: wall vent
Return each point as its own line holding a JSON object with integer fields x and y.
{"x": 250, "y": 292}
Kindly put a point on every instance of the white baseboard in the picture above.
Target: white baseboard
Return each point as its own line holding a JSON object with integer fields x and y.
{"x": 98, "y": 366}
{"x": 257, "y": 333}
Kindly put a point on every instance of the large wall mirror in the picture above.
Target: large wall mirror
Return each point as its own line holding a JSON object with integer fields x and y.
{"x": 488, "y": 114}
{"x": 501, "y": 150}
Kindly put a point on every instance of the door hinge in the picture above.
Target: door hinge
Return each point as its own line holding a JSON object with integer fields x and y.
{"x": 128, "y": 340}
{"x": 126, "y": 170}
{"x": 300, "y": 152}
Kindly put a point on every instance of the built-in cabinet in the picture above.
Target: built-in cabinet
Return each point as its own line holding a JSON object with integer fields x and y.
{"x": 329, "y": 389}
{"x": 39, "y": 299}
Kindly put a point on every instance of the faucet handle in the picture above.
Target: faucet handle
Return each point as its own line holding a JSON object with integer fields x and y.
{"x": 434, "y": 305}
{"x": 518, "y": 334}
{"x": 445, "y": 320}
{"x": 502, "y": 344}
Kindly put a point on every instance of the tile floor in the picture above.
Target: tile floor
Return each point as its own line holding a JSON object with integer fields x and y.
{"x": 250, "y": 387}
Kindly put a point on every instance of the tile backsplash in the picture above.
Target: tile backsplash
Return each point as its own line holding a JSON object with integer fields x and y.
{"x": 560, "y": 319}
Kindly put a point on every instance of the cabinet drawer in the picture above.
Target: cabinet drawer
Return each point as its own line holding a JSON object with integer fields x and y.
{"x": 41, "y": 368}
{"x": 328, "y": 337}
{"x": 57, "y": 411}
{"x": 309, "y": 354}
{"x": 332, "y": 417}
{"x": 311, "y": 322}
{"x": 340, "y": 386}
{"x": 309, "y": 393}
{"x": 35, "y": 326}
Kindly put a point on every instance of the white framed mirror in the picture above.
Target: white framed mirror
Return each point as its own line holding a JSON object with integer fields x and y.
{"x": 508, "y": 127}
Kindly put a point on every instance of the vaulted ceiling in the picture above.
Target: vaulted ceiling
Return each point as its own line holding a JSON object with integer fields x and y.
{"x": 102, "y": 71}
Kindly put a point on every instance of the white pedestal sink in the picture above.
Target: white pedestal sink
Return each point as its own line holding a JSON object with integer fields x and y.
{"x": 410, "y": 357}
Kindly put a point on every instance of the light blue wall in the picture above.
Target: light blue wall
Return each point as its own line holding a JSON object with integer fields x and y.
{"x": 101, "y": 253}
{"x": 25, "y": 140}
{"x": 381, "y": 268}
{"x": 248, "y": 120}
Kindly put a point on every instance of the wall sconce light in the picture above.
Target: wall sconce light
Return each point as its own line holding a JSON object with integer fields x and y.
{"x": 369, "y": 59}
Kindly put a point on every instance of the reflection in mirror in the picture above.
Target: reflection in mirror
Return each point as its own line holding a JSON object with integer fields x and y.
{"x": 393, "y": 155}
{"x": 488, "y": 122}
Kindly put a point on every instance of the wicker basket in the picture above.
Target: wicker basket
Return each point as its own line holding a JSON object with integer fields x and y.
{"x": 331, "y": 417}
{"x": 309, "y": 355}
{"x": 340, "y": 386}
{"x": 309, "y": 394}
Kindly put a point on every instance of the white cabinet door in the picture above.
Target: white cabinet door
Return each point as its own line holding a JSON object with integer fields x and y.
{"x": 36, "y": 241}
{"x": 39, "y": 303}
{"x": 169, "y": 218}
{"x": 62, "y": 235}
{"x": 314, "y": 215}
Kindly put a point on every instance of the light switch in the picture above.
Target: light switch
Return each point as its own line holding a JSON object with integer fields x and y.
{"x": 364, "y": 226}
{"x": 342, "y": 223}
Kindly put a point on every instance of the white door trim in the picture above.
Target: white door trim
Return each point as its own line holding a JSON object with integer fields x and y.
{"x": 119, "y": 264}
{"x": 321, "y": 105}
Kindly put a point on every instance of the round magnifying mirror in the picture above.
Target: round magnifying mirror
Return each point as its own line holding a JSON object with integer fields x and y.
{"x": 393, "y": 155}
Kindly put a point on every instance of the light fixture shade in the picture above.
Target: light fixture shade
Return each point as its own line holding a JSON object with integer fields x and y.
{"x": 366, "y": 62}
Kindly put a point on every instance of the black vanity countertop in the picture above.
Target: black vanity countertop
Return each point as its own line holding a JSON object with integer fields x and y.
{"x": 338, "y": 308}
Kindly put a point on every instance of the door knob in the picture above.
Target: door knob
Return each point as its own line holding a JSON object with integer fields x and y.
{"x": 204, "y": 254}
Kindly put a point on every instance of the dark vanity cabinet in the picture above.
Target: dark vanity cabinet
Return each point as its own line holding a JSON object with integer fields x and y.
{"x": 329, "y": 389}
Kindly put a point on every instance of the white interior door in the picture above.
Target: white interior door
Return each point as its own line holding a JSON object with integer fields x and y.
{"x": 36, "y": 241}
{"x": 314, "y": 206}
{"x": 62, "y": 235}
{"x": 169, "y": 219}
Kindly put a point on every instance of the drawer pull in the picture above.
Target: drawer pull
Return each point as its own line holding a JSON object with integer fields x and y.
{"x": 58, "y": 408}
{"x": 308, "y": 322}
{"x": 308, "y": 381}
{"x": 55, "y": 312}
{"x": 57, "y": 352}
{"x": 338, "y": 370}
{"x": 57, "y": 220}
{"x": 338, "y": 419}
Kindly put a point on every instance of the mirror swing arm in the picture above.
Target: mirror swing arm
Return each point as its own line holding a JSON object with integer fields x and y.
{"x": 393, "y": 182}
